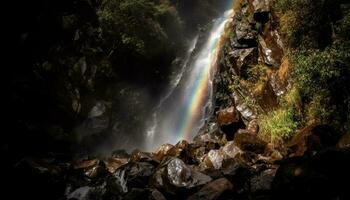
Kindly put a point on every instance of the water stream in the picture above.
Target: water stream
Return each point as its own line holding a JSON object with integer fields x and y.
{"x": 187, "y": 104}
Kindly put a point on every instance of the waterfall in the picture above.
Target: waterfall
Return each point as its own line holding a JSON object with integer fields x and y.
{"x": 187, "y": 104}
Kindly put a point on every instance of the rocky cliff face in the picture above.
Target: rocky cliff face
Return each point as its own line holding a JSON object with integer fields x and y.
{"x": 248, "y": 74}
{"x": 227, "y": 159}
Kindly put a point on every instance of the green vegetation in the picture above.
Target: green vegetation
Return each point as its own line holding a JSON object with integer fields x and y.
{"x": 281, "y": 123}
{"x": 317, "y": 33}
{"x": 277, "y": 125}
{"x": 323, "y": 79}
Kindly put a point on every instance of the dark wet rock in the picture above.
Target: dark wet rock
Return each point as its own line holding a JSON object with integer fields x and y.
{"x": 198, "y": 154}
{"x": 92, "y": 168}
{"x": 213, "y": 190}
{"x": 108, "y": 188}
{"x": 266, "y": 97}
{"x": 136, "y": 193}
{"x": 262, "y": 181}
{"x": 248, "y": 141}
{"x": 156, "y": 195}
{"x": 134, "y": 175}
{"x": 35, "y": 177}
{"x": 320, "y": 177}
{"x": 253, "y": 126}
{"x": 213, "y": 159}
{"x": 231, "y": 150}
{"x": 120, "y": 154}
{"x": 163, "y": 151}
{"x": 270, "y": 48}
{"x": 139, "y": 156}
{"x": 244, "y": 36}
{"x": 261, "y": 10}
{"x": 246, "y": 112}
{"x": 313, "y": 138}
{"x": 244, "y": 58}
{"x": 183, "y": 151}
{"x": 344, "y": 141}
{"x": 210, "y": 133}
{"x": 229, "y": 121}
{"x": 236, "y": 171}
{"x": 173, "y": 175}
{"x": 227, "y": 116}
{"x": 96, "y": 122}
{"x": 279, "y": 80}
{"x": 112, "y": 164}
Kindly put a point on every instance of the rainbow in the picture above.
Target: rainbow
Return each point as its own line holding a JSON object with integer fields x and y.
{"x": 200, "y": 83}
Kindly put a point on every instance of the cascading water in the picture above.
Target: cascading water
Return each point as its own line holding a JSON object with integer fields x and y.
{"x": 184, "y": 109}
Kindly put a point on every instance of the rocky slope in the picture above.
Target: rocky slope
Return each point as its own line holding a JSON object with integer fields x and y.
{"x": 228, "y": 159}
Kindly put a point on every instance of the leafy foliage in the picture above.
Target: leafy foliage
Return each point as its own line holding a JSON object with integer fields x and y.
{"x": 277, "y": 125}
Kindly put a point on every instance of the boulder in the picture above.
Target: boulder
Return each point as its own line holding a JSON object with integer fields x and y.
{"x": 321, "y": 176}
{"x": 134, "y": 174}
{"x": 237, "y": 171}
{"x": 92, "y": 168}
{"x": 112, "y": 164}
{"x": 253, "y": 126}
{"x": 120, "y": 153}
{"x": 231, "y": 150}
{"x": 213, "y": 159}
{"x": 244, "y": 58}
{"x": 173, "y": 175}
{"x": 344, "y": 141}
{"x": 227, "y": 116}
{"x": 210, "y": 133}
{"x": 261, "y": 10}
{"x": 213, "y": 190}
{"x": 229, "y": 121}
{"x": 270, "y": 47}
{"x": 162, "y": 151}
{"x": 248, "y": 141}
{"x": 139, "y": 156}
{"x": 262, "y": 182}
{"x": 266, "y": 97}
{"x": 244, "y": 36}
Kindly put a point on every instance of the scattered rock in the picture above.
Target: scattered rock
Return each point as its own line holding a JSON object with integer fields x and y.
{"x": 344, "y": 141}
{"x": 213, "y": 159}
{"x": 213, "y": 190}
{"x": 247, "y": 141}
{"x": 163, "y": 151}
{"x": 173, "y": 174}
{"x": 231, "y": 150}
{"x": 262, "y": 181}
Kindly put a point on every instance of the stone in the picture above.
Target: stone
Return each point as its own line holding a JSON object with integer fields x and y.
{"x": 266, "y": 97}
{"x": 247, "y": 141}
{"x": 112, "y": 164}
{"x": 213, "y": 159}
{"x": 173, "y": 174}
{"x": 344, "y": 141}
{"x": 213, "y": 190}
{"x": 162, "y": 151}
{"x": 253, "y": 126}
{"x": 229, "y": 121}
{"x": 261, "y": 10}
{"x": 236, "y": 171}
{"x": 231, "y": 150}
{"x": 262, "y": 181}
{"x": 227, "y": 116}
{"x": 92, "y": 168}
{"x": 134, "y": 174}
{"x": 244, "y": 58}
{"x": 321, "y": 176}
{"x": 139, "y": 156}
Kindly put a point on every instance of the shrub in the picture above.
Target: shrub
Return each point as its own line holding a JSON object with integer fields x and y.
{"x": 278, "y": 125}
{"x": 322, "y": 77}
